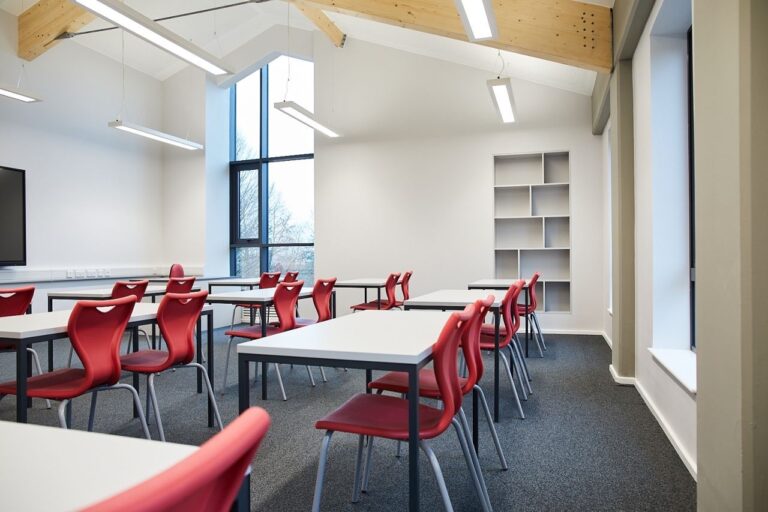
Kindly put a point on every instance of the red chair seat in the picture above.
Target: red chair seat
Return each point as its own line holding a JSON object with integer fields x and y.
{"x": 56, "y": 385}
{"x": 248, "y": 306}
{"x": 489, "y": 329}
{"x": 379, "y": 416}
{"x": 367, "y": 306}
{"x": 145, "y": 361}
{"x": 252, "y": 332}
{"x": 522, "y": 310}
{"x": 397, "y": 382}
{"x": 7, "y": 346}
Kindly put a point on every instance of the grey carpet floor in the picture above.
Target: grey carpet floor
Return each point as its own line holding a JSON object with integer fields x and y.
{"x": 587, "y": 444}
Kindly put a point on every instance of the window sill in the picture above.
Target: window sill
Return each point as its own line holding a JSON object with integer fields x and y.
{"x": 680, "y": 364}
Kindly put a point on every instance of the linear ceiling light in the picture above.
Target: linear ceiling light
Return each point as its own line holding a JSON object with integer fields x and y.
{"x": 501, "y": 92}
{"x": 477, "y": 16}
{"x": 143, "y": 27}
{"x": 304, "y": 116}
{"x": 17, "y": 95}
{"x": 155, "y": 135}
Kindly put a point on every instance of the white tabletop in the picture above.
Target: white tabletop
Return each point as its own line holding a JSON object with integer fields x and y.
{"x": 252, "y": 296}
{"x": 237, "y": 281}
{"x": 53, "y": 469}
{"x": 99, "y": 293}
{"x": 453, "y": 298}
{"x": 495, "y": 284}
{"x": 363, "y": 282}
{"x": 54, "y": 323}
{"x": 374, "y": 336}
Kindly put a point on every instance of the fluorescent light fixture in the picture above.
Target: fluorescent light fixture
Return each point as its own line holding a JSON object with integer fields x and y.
{"x": 15, "y": 94}
{"x": 501, "y": 92}
{"x": 303, "y": 115}
{"x": 477, "y": 16}
{"x": 155, "y": 135}
{"x": 147, "y": 29}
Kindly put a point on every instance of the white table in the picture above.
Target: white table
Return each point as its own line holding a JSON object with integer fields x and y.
{"x": 74, "y": 469}
{"x": 457, "y": 300}
{"x": 369, "y": 340}
{"x": 26, "y": 330}
{"x": 504, "y": 284}
{"x": 365, "y": 283}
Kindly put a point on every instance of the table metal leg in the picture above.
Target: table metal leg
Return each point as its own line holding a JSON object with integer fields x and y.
{"x": 135, "y": 341}
{"x": 199, "y": 353}
{"x": 365, "y": 295}
{"x": 333, "y": 303}
{"x": 210, "y": 364}
{"x": 243, "y": 501}
{"x": 50, "y": 342}
{"x": 527, "y": 318}
{"x": 243, "y": 378}
{"x": 475, "y": 422}
{"x": 497, "y": 322}
{"x": 263, "y": 313}
{"x": 154, "y": 329}
{"x": 378, "y": 298}
{"x": 22, "y": 360}
{"x": 368, "y": 379}
{"x": 264, "y": 388}
{"x": 413, "y": 439}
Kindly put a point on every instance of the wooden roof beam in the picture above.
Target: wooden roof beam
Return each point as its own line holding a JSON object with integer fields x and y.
{"x": 41, "y": 25}
{"x": 322, "y": 22}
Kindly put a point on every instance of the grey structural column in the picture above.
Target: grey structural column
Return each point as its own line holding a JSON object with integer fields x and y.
{"x": 730, "y": 48}
{"x": 623, "y": 221}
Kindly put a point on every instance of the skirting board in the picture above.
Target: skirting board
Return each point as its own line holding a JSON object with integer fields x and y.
{"x": 684, "y": 455}
{"x": 567, "y": 331}
{"x": 624, "y": 381}
{"x": 608, "y": 340}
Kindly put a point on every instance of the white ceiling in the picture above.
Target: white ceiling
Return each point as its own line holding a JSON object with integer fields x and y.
{"x": 222, "y": 32}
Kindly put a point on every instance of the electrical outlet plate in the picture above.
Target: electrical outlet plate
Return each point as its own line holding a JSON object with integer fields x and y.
{"x": 70, "y": 274}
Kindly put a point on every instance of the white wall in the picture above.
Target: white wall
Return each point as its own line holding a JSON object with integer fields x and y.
{"x": 410, "y": 185}
{"x": 607, "y": 226}
{"x": 661, "y": 244}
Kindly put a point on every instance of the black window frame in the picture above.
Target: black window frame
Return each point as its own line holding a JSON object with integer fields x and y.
{"x": 261, "y": 166}
{"x": 691, "y": 191}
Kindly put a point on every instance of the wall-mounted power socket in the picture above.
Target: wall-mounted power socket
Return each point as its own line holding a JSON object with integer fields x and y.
{"x": 91, "y": 272}
{"x": 70, "y": 274}
{"x": 80, "y": 273}
{"x": 107, "y": 272}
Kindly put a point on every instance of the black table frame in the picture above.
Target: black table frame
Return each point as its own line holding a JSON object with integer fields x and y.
{"x": 528, "y": 327}
{"x": 365, "y": 291}
{"x": 243, "y": 373}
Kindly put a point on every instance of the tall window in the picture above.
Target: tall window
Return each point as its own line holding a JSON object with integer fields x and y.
{"x": 272, "y": 173}
{"x": 691, "y": 194}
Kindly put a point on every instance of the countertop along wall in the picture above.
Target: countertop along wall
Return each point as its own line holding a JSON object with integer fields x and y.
{"x": 410, "y": 183}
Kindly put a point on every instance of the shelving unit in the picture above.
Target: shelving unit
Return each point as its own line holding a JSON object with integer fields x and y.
{"x": 532, "y": 224}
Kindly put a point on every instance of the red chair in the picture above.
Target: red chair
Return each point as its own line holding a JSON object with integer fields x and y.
{"x": 180, "y": 284}
{"x": 291, "y": 277}
{"x": 176, "y": 270}
{"x": 206, "y": 481}
{"x": 14, "y": 302}
{"x": 267, "y": 280}
{"x": 321, "y": 297}
{"x": 176, "y": 317}
{"x": 391, "y": 302}
{"x": 368, "y": 415}
{"x": 404, "y": 285}
{"x": 95, "y": 329}
{"x": 397, "y": 382}
{"x": 285, "y": 300}
{"x": 508, "y": 341}
{"x": 530, "y": 314}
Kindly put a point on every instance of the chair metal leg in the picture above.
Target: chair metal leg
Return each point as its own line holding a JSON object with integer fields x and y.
{"x": 311, "y": 378}
{"x": 438, "y": 475}
{"x": 321, "y": 472}
{"x": 367, "y": 471}
{"x": 468, "y": 460}
{"x": 92, "y": 413}
{"x": 512, "y": 382}
{"x": 36, "y": 362}
{"x": 146, "y": 338}
{"x": 358, "y": 470}
{"x": 226, "y": 364}
{"x": 322, "y": 373}
{"x": 538, "y": 327}
{"x": 155, "y": 405}
{"x": 69, "y": 359}
{"x": 529, "y": 318}
{"x": 211, "y": 395}
{"x": 63, "y": 414}
{"x": 279, "y": 381}
{"x": 525, "y": 363}
{"x": 137, "y": 402}
{"x": 523, "y": 368}
{"x": 473, "y": 456}
{"x": 492, "y": 428}
{"x": 516, "y": 366}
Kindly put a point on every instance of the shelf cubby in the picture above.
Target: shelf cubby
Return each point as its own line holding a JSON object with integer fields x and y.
{"x": 518, "y": 170}
{"x": 557, "y": 297}
{"x": 507, "y": 264}
{"x": 519, "y": 233}
{"x": 550, "y": 200}
{"x": 556, "y": 168}
{"x": 557, "y": 232}
{"x": 512, "y": 202}
{"x": 552, "y": 264}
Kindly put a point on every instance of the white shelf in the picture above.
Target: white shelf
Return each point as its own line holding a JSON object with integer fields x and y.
{"x": 519, "y": 233}
{"x": 557, "y": 233}
{"x": 553, "y": 264}
{"x": 507, "y": 264}
{"x": 551, "y": 200}
{"x": 518, "y": 170}
{"x": 556, "y": 168}
{"x": 557, "y": 297}
{"x": 512, "y": 202}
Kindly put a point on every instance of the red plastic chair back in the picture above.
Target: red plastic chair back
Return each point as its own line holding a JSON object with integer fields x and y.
{"x": 404, "y": 284}
{"x": 127, "y": 288}
{"x": 532, "y": 291}
{"x": 15, "y": 301}
{"x": 509, "y": 312}
{"x": 269, "y": 279}
{"x": 321, "y": 296}
{"x": 390, "y": 287}
{"x": 470, "y": 344}
{"x": 446, "y": 369}
{"x": 286, "y": 297}
{"x": 176, "y": 270}
{"x": 180, "y": 284}
{"x": 206, "y": 481}
{"x": 176, "y": 316}
{"x": 95, "y": 329}
{"x": 290, "y": 277}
